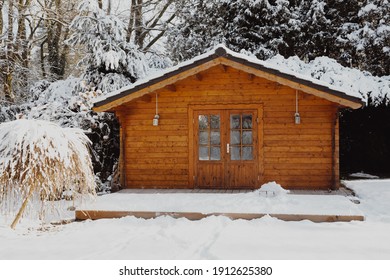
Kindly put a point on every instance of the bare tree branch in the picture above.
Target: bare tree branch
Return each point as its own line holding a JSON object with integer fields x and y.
{"x": 158, "y": 37}
{"x": 159, "y": 15}
{"x": 130, "y": 27}
{"x": 137, "y": 30}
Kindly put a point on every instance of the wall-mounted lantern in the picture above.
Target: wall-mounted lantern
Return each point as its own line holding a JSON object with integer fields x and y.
{"x": 297, "y": 118}
{"x": 155, "y": 120}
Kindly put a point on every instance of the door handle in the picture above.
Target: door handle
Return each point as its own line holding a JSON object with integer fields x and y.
{"x": 227, "y": 148}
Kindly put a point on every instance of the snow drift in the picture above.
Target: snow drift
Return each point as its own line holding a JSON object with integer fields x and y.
{"x": 272, "y": 189}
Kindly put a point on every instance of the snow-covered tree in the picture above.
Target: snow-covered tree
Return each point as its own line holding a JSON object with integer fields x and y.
{"x": 365, "y": 39}
{"x": 14, "y": 49}
{"x": 148, "y": 21}
{"x": 355, "y": 33}
{"x": 362, "y": 83}
{"x": 260, "y": 27}
{"x": 54, "y": 17}
{"x": 111, "y": 62}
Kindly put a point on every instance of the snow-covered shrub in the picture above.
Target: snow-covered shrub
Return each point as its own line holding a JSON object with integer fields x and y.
{"x": 40, "y": 160}
{"x": 68, "y": 104}
{"x": 8, "y": 112}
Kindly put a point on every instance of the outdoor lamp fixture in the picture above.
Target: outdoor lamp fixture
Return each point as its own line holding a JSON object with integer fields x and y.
{"x": 155, "y": 120}
{"x": 296, "y": 115}
{"x": 156, "y": 116}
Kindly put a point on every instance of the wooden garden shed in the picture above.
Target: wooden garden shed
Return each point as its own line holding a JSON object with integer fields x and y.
{"x": 224, "y": 120}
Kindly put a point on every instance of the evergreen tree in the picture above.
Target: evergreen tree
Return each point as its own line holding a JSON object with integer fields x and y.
{"x": 355, "y": 33}
{"x": 256, "y": 26}
{"x": 111, "y": 62}
{"x": 368, "y": 37}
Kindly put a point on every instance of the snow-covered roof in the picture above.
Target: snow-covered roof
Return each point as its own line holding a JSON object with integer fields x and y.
{"x": 300, "y": 82}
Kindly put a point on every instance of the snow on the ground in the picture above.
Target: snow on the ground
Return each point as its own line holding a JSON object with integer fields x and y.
{"x": 271, "y": 198}
{"x": 374, "y": 196}
{"x": 363, "y": 175}
{"x": 212, "y": 237}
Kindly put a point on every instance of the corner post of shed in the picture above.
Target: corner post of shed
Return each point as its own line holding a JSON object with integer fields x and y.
{"x": 335, "y": 151}
{"x": 122, "y": 142}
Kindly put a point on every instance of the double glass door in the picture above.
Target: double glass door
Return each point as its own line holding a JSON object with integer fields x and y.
{"x": 226, "y": 149}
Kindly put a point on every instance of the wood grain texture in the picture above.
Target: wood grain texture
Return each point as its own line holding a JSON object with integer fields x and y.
{"x": 296, "y": 156}
{"x": 81, "y": 215}
{"x": 219, "y": 68}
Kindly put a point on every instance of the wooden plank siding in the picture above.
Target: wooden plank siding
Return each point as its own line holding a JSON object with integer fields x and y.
{"x": 295, "y": 156}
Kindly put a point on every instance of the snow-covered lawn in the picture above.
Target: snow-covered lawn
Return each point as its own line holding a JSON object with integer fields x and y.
{"x": 213, "y": 237}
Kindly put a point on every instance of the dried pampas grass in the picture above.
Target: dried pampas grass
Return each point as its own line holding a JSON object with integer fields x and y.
{"x": 41, "y": 161}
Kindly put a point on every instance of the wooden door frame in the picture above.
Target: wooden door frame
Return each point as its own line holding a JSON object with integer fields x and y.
{"x": 230, "y": 164}
{"x": 224, "y": 106}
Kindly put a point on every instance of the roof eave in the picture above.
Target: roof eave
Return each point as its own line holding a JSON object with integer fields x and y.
{"x": 350, "y": 101}
{"x": 336, "y": 96}
{"x": 98, "y": 105}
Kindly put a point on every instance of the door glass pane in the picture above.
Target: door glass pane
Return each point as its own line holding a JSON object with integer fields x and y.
{"x": 247, "y": 153}
{"x": 215, "y": 137}
{"x": 215, "y": 121}
{"x": 204, "y": 153}
{"x": 204, "y": 137}
{"x": 235, "y": 137}
{"x": 235, "y": 121}
{"x": 247, "y": 137}
{"x": 235, "y": 153}
{"x": 247, "y": 121}
{"x": 203, "y": 122}
{"x": 215, "y": 153}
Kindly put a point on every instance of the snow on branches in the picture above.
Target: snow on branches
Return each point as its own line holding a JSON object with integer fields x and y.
{"x": 330, "y": 71}
{"x": 107, "y": 51}
{"x": 355, "y": 33}
{"x": 40, "y": 161}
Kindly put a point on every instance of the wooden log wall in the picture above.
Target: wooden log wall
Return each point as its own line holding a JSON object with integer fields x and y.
{"x": 295, "y": 156}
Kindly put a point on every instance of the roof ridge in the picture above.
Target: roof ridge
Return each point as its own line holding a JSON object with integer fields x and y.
{"x": 222, "y": 51}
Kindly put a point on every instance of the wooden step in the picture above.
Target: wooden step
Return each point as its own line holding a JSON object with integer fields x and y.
{"x": 102, "y": 214}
